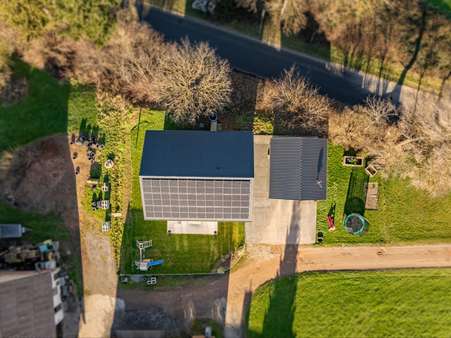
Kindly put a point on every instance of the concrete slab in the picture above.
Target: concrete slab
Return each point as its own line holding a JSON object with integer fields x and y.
{"x": 193, "y": 227}
{"x": 277, "y": 222}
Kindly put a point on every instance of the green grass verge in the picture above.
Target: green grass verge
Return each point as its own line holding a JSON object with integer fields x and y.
{"x": 405, "y": 213}
{"x": 402, "y": 303}
{"x": 444, "y": 6}
{"x": 182, "y": 253}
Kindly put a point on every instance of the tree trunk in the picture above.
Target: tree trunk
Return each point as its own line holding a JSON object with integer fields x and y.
{"x": 443, "y": 83}
{"x": 416, "y": 51}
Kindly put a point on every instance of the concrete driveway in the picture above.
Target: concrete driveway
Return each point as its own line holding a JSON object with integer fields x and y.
{"x": 277, "y": 222}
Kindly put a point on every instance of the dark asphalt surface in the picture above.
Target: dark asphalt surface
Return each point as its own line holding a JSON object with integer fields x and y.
{"x": 254, "y": 57}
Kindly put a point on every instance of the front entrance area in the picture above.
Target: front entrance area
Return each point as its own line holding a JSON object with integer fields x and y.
{"x": 277, "y": 222}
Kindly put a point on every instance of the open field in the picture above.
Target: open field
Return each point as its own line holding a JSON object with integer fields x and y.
{"x": 397, "y": 303}
{"x": 405, "y": 213}
{"x": 182, "y": 253}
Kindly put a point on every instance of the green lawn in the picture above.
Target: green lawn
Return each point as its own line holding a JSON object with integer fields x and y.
{"x": 50, "y": 107}
{"x": 401, "y": 303}
{"x": 42, "y": 226}
{"x": 405, "y": 213}
{"x": 443, "y": 6}
{"x": 182, "y": 253}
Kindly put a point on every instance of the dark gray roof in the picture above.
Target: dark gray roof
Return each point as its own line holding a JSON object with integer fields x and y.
{"x": 298, "y": 168}
{"x": 177, "y": 153}
{"x": 26, "y": 299}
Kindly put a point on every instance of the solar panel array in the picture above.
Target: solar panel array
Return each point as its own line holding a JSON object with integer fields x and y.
{"x": 196, "y": 199}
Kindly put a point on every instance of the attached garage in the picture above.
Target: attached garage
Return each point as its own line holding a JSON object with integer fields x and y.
{"x": 298, "y": 168}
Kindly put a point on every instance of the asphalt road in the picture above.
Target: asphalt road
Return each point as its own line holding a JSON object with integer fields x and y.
{"x": 251, "y": 56}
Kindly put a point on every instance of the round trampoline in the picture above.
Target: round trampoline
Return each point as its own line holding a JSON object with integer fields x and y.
{"x": 355, "y": 224}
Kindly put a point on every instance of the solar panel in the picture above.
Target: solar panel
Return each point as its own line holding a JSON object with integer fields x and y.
{"x": 196, "y": 199}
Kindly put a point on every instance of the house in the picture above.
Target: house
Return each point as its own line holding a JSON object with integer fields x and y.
{"x": 197, "y": 176}
{"x": 30, "y": 304}
{"x": 298, "y": 168}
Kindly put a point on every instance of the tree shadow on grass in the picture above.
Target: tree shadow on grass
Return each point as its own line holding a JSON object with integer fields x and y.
{"x": 240, "y": 114}
{"x": 279, "y": 316}
{"x": 356, "y": 195}
{"x": 37, "y": 174}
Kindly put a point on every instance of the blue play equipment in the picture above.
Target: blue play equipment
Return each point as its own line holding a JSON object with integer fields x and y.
{"x": 157, "y": 262}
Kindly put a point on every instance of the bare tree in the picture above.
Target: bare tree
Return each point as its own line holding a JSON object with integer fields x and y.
{"x": 296, "y": 104}
{"x": 417, "y": 146}
{"x": 130, "y": 60}
{"x": 191, "y": 81}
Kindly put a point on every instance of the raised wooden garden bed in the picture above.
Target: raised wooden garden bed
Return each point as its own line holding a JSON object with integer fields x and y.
{"x": 371, "y": 170}
{"x": 353, "y": 161}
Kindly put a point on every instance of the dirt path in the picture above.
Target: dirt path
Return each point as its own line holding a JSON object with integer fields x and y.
{"x": 99, "y": 270}
{"x": 176, "y": 307}
{"x": 39, "y": 177}
{"x": 266, "y": 263}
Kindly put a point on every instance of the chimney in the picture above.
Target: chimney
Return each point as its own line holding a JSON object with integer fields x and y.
{"x": 213, "y": 122}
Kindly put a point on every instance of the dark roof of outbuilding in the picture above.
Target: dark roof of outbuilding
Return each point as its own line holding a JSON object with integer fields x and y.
{"x": 298, "y": 168}
{"x": 177, "y": 153}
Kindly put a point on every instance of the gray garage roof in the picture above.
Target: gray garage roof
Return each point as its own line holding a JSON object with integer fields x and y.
{"x": 298, "y": 168}
{"x": 176, "y": 153}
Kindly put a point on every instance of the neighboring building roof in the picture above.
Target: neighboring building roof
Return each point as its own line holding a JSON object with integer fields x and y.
{"x": 26, "y": 299}
{"x": 298, "y": 168}
{"x": 176, "y": 153}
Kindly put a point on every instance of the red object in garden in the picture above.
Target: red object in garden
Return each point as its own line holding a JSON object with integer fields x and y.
{"x": 331, "y": 222}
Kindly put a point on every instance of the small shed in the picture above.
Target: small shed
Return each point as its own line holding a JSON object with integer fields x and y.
{"x": 11, "y": 230}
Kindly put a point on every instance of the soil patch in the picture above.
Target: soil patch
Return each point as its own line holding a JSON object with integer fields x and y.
{"x": 39, "y": 177}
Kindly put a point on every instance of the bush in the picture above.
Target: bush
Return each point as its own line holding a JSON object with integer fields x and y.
{"x": 297, "y": 106}
{"x": 405, "y": 143}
